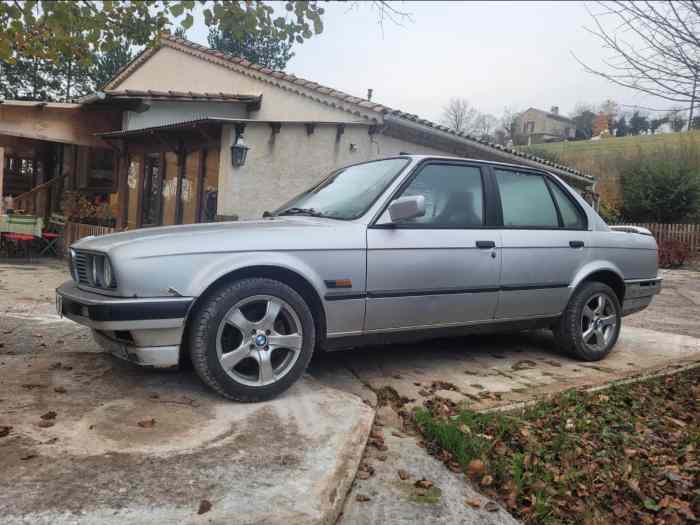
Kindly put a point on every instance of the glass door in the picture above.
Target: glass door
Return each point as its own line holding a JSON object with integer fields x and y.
{"x": 151, "y": 212}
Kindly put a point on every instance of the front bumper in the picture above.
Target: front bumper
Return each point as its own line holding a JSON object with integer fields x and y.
{"x": 145, "y": 331}
{"x": 639, "y": 293}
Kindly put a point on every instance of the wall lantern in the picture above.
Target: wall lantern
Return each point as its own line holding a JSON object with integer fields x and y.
{"x": 239, "y": 149}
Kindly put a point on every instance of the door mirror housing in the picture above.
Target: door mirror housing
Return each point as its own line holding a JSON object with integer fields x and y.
{"x": 405, "y": 208}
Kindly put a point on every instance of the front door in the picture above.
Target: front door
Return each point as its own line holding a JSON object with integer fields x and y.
{"x": 545, "y": 242}
{"x": 441, "y": 269}
{"x": 151, "y": 210}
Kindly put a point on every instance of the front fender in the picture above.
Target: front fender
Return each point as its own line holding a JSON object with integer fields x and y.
{"x": 208, "y": 274}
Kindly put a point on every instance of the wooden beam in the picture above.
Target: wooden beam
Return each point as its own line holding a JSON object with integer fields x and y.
{"x": 275, "y": 127}
{"x": 165, "y": 142}
{"x": 181, "y": 163}
{"x": 310, "y": 127}
{"x": 201, "y": 175}
{"x": 339, "y": 130}
{"x": 205, "y": 135}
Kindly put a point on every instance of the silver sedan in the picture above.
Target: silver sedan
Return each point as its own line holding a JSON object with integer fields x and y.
{"x": 399, "y": 248}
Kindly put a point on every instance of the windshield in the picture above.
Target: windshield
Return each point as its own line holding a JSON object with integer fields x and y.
{"x": 347, "y": 193}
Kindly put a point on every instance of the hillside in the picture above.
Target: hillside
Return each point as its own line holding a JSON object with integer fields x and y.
{"x": 603, "y": 158}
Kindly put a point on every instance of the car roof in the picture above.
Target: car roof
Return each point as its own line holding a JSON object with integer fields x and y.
{"x": 468, "y": 159}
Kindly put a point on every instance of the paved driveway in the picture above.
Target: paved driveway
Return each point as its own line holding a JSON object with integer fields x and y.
{"x": 200, "y": 448}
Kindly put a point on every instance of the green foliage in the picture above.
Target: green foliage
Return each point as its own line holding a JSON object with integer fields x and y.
{"x": 621, "y": 128}
{"x": 665, "y": 190}
{"x": 50, "y": 29}
{"x": 638, "y": 123}
{"x": 584, "y": 123}
{"x": 609, "y": 213}
{"x": 260, "y": 47}
{"x": 107, "y": 64}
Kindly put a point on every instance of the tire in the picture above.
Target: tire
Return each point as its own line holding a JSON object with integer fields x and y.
{"x": 252, "y": 339}
{"x": 590, "y": 325}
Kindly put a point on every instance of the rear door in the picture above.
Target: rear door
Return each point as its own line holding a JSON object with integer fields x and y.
{"x": 545, "y": 241}
{"x": 443, "y": 268}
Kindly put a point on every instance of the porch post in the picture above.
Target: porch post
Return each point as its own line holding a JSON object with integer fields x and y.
{"x": 2, "y": 172}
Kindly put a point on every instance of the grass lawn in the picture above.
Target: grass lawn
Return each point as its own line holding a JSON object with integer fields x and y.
{"x": 618, "y": 146}
{"x": 627, "y": 454}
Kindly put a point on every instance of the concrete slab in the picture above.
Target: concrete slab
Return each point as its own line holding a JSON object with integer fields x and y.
{"x": 385, "y": 497}
{"x": 489, "y": 371}
{"x": 95, "y": 440}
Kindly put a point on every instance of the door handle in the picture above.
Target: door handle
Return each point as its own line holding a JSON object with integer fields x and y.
{"x": 485, "y": 244}
{"x": 576, "y": 244}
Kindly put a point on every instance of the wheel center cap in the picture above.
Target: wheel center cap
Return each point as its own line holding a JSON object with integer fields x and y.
{"x": 260, "y": 340}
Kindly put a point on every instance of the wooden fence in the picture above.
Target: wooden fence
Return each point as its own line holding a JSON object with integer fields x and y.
{"x": 75, "y": 231}
{"x": 688, "y": 234}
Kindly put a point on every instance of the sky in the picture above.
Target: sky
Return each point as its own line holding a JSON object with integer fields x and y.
{"x": 493, "y": 54}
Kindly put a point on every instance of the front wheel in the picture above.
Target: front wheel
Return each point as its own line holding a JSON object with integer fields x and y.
{"x": 252, "y": 339}
{"x": 590, "y": 325}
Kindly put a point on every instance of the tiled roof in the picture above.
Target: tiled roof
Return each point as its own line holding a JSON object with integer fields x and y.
{"x": 181, "y": 95}
{"x": 357, "y": 106}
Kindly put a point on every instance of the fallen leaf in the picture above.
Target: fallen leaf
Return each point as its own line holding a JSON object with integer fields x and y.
{"x": 27, "y": 456}
{"x": 60, "y": 390}
{"x": 45, "y": 423}
{"x": 491, "y": 506}
{"x": 473, "y": 502}
{"x": 377, "y": 434}
{"x": 49, "y": 415}
{"x": 486, "y": 480}
{"x": 524, "y": 365}
{"x": 5, "y": 430}
{"x": 404, "y": 475}
{"x": 204, "y": 506}
{"x": 362, "y": 497}
{"x": 362, "y": 474}
{"x": 424, "y": 483}
{"x": 476, "y": 467}
{"x": 383, "y": 457}
{"x": 148, "y": 423}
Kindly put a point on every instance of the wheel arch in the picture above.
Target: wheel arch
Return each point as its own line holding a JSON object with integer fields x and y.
{"x": 291, "y": 278}
{"x": 606, "y": 274}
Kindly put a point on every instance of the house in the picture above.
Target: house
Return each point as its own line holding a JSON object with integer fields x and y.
{"x": 192, "y": 134}
{"x": 538, "y": 126}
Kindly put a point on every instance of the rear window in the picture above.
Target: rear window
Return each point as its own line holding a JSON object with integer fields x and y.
{"x": 525, "y": 200}
{"x": 570, "y": 213}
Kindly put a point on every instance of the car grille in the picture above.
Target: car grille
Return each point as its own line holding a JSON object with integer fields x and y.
{"x": 82, "y": 262}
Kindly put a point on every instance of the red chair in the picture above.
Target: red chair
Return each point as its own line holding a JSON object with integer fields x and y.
{"x": 21, "y": 239}
{"x": 50, "y": 240}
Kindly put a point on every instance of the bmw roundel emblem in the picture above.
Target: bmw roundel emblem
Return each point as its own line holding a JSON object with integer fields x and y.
{"x": 260, "y": 340}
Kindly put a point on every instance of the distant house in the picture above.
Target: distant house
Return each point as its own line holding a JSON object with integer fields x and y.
{"x": 538, "y": 126}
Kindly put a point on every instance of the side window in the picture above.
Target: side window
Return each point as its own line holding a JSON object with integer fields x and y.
{"x": 454, "y": 196}
{"x": 570, "y": 213}
{"x": 526, "y": 200}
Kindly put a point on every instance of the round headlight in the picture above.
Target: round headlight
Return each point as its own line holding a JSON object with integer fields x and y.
{"x": 107, "y": 272}
{"x": 94, "y": 272}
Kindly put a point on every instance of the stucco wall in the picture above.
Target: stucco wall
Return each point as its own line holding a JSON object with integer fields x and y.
{"x": 167, "y": 112}
{"x": 169, "y": 69}
{"x": 278, "y": 169}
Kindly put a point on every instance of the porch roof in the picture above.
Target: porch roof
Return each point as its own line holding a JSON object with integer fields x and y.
{"x": 190, "y": 124}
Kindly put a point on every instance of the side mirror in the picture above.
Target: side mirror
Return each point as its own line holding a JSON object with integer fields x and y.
{"x": 406, "y": 208}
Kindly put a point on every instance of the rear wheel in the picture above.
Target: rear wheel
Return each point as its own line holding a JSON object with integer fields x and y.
{"x": 252, "y": 339}
{"x": 590, "y": 325}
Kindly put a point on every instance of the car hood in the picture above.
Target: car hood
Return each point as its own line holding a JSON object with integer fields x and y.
{"x": 277, "y": 233}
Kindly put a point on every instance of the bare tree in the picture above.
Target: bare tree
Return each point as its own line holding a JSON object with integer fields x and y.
{"x": 484, "y": 125}
{"x": 509, "y": 122}
{"x": 459, "y": 115}
{"x": 655, "y": 47}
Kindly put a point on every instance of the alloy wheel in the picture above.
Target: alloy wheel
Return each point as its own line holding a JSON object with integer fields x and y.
{"x": 259, "y": 340}
{"x": 598, "y": 322}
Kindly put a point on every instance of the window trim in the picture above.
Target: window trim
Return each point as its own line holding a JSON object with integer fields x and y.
{"x": 488, "y": 204}
{"x": 548, "y": 179}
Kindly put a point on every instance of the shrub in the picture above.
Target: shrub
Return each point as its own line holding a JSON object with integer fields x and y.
{"x": 673, "y": 254}
{"x": 660, "y": 190}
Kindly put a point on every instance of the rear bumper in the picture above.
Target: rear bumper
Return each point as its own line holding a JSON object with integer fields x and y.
{"x": 145, "y": 331}
{"x": 639, "y": 293}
